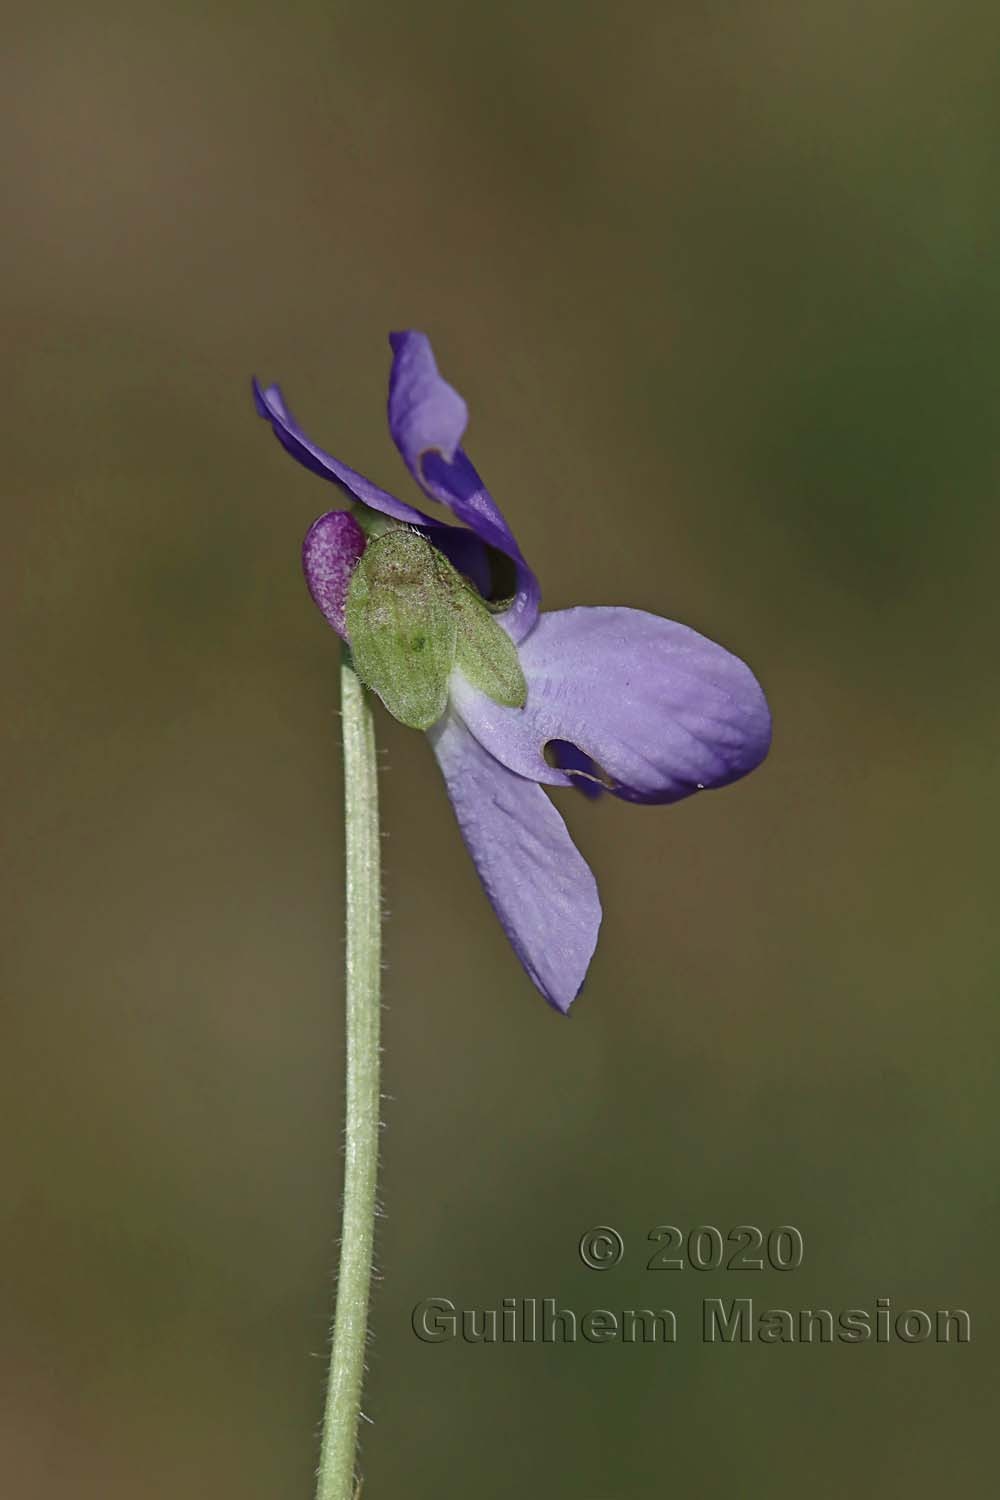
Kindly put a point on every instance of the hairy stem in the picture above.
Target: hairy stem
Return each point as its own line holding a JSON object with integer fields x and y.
{"x": 336, "y": 1475}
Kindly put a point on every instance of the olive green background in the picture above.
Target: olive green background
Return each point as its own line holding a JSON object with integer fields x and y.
{"x": 719, "y": 283}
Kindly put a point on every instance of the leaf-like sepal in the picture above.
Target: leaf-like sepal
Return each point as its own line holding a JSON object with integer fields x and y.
{"x": 485, "y": 654}
{"x": 402, "y": 625}
{"x": 411, "y": 619}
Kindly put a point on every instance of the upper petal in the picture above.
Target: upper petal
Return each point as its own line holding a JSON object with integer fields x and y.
{"x": 271, "y": 406}
{"x": 539, "y": 884}
{"x": 425, "y": 412}
{"x": 662, "y": 710}
{"x": 427, "y": 419}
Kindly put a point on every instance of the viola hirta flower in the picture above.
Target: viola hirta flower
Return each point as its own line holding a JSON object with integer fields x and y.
{"x": 512, "y": 699}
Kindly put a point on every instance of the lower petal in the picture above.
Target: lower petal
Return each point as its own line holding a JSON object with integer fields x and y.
{"x": 569, "y": 758}
{"x": 539, "y": 884}
{"x": 661, "y": 710}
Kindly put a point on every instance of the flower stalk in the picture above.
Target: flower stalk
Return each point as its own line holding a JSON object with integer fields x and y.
{"x": 336, "y": 1474}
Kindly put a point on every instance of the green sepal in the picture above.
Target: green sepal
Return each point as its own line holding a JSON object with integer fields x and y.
{"x": 403, "y": 625}
{"x": 411, "y": 619}
{"x": 372, "y": 522}
{"x": 485, "y": 653}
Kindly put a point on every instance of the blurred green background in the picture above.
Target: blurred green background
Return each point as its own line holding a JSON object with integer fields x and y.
{"x": 719, "y": 283}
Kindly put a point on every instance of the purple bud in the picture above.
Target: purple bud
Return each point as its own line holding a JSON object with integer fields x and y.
{"x": 330, "y": 554}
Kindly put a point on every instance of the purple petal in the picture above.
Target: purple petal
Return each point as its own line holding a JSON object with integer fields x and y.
{"x": 662, "y": 710}
{"x": 271, "y": 406}
{"x": 465, "y": 552}
{"x": 586, "y": 775}
{"x": 427, "y": 419}
{"x": 539, "y": 884}
{"x": 330, "y": 553}
{"x": 424, "y": 411}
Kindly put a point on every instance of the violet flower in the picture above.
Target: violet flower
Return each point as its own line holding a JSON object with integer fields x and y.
{"x": 616, "y": 698}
